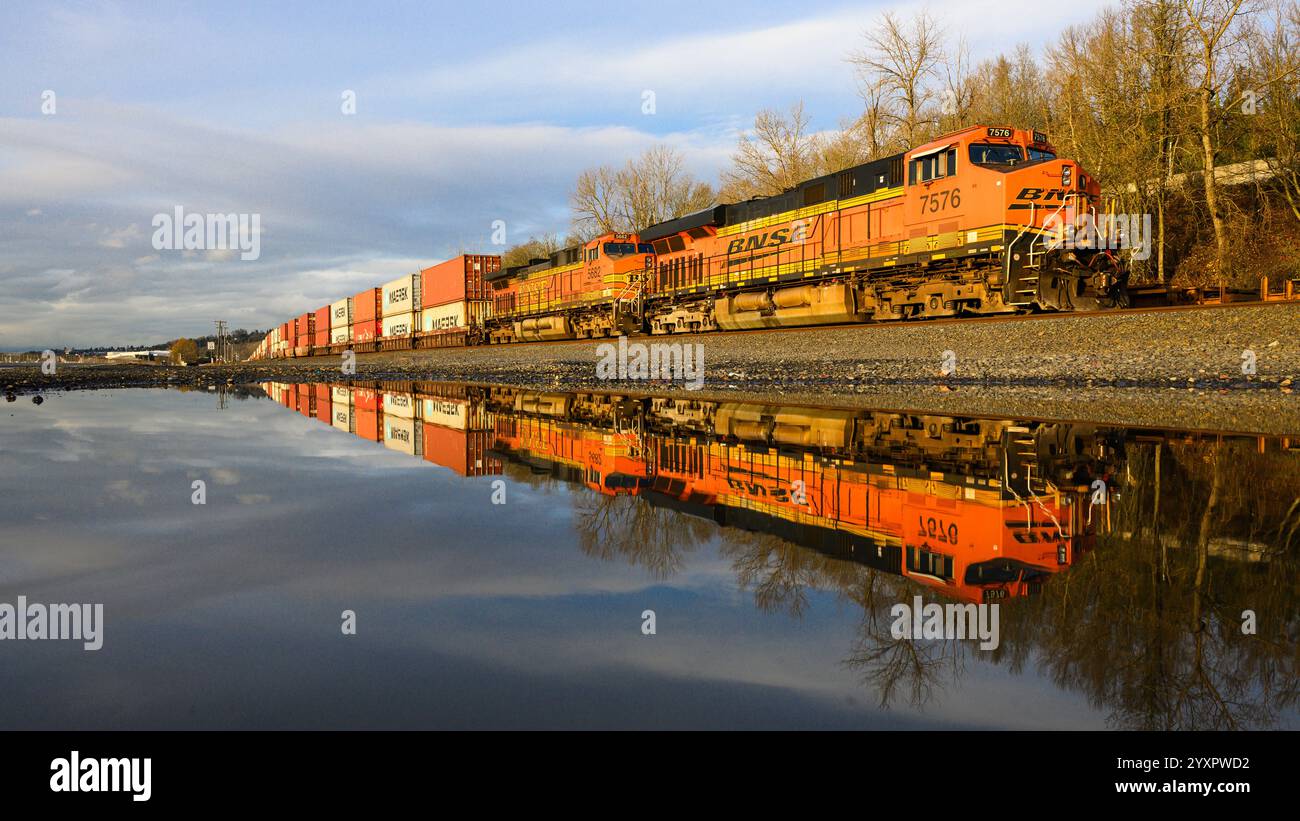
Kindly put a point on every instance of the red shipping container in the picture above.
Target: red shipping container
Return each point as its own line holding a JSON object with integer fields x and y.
{"x": 323, "y": 404}
{"x": 366, "y": 306}
{"x": 458, "y": 279}
{"x": 368, "y": 425}
{"x": 286, "y": 333}
{"x": 461, "y": 451}
{"x": 321, "y": 330}
{"x": 366, "y": 331}
{"x": 367, "y": 400}
{"x": 303, "y": 330}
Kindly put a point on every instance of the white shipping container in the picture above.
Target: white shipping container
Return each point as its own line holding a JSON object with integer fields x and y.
{"x": 455, "y": 315}
{"x": 401, "y": 404}
{"x": 401, "y": 324}
{"x": 402, "y": 295}
{"x": 340, "y": 334}
{"x": 340, "y": 395}
{"x": 404, "y": 435}
{"x": 446, "y": 412}
{"x": 341, "y": 314}
{"x": 342, "y": 417}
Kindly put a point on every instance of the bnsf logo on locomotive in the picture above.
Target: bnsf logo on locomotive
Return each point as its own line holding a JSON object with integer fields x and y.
{"x": 797, "y": 232}
{"x": 1043, "y": 194}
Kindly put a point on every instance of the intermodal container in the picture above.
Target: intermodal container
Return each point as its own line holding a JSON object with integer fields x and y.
{"x": 303, "y": 330}
{"x": 321, "y": 331}
{"x": 366, "y": 331}
{"x": 462, "y": 452}
{"x": 367, "y": 424}
{"x": 402, "y": 405}
{"x": 286, "y": 333}
{"x": 365, "y": 399}
{"x": 460, "y": 279}
{"x": 341, "y": 408}
{"x": 449, "y": 413}
{"x": 401, "y": 296}
{"x": 323, "y": 411}
{"x": 400, "y": 324}
{"x": 455, "y": 315}
{"x": 366, "y": 306}
{"x": 341, "y": 313}
{"x": 402, "y": 435}
{"x": 340, "y": 334}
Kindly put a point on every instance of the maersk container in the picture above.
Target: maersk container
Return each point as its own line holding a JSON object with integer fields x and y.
{"x": 460, "y": 279}
{"x": 401, "y": 296}
{"x": 403, "y": 435}
{"x": 400, "y": 324}
{"x": 341, "y": 313}
{"x": 341, "y": 410}
{"x": 449, "y": 413}
{"x": 366, "y": 306}
{"x": 403, "y": 405}
{"x": 455, "y": 315}
{"x": 341, "y": 335}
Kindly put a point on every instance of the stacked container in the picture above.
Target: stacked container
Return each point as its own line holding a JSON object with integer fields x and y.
{"x": 341, "y": 322}
{"x": 401, "y": 428}
{"x": 341, "y": 408}
{"x": 401, "y": 306}
{"x": 456, "y": 294}
{"x": 321, "y": 330}
{"x": 367, "y": 313}
{"x": 367, "y": 409}
{"x": 324, "y": 411}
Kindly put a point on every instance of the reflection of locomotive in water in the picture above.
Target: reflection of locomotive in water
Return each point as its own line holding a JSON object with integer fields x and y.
{"x": 978, "y": 509}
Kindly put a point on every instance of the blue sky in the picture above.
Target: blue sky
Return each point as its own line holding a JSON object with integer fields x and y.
{"x": 465, "y": 114}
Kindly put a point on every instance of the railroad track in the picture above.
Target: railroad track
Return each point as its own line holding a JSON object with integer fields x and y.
{"x": 865, "y": 326}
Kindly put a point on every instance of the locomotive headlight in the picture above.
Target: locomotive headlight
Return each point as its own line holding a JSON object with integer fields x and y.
{"x": 1067, "y": 176}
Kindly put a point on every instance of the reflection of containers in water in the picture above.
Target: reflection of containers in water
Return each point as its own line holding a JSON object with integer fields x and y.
{"x": 401, "y": 296}
{"x": 464, "y": 453}
{"x": 401, "y": 404}
{"x": 323, "y": 413}
{"x": 402, "y": 435}
{"x": 341, "y": 393}
{"x": 367, "y": 424}
{"x": 341, "y": 409}
{"x": 452, "y": 413}
{"x": 321, "y": 333}
{"x": 341, "y": 314}
{"x": 400, "y": 324}
{"x": 455, "y": 315}
{"x": 460, "y": 279}
{"x": 367, "y": 400}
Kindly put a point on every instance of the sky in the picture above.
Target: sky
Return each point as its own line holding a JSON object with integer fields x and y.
{"x": 112, "y": 113}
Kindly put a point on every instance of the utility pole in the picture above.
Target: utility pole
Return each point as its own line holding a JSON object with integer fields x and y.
{"x": 221, "y": 353}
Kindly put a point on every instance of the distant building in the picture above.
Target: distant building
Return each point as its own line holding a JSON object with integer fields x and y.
{"x": 151, "y": 356}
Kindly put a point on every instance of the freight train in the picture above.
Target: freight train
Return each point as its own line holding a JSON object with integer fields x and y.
{"x": 971, "y": 223}
{"x": 978, "y": 510}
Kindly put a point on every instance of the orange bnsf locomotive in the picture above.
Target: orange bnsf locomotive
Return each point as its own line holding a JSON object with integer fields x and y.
{"x": 968, "y": 223}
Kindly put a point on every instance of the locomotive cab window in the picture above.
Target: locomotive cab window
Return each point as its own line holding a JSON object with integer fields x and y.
{"x": 996, "y": 155}
{"x": 933, "y": 166}
{"x": 619, "y": 249}
{"x": 1038, "y": 154}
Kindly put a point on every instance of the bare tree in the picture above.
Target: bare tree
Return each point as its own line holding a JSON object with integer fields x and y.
{"x": 649, "y": 189}
{"x": 777, "y": 155}
{"x": 902, "y": 57}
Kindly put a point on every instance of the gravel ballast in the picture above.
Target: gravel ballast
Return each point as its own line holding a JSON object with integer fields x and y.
{"x": 1130, "y": 368}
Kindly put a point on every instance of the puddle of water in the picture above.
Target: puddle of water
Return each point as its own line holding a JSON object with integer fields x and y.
{"x": 501, "y": 549}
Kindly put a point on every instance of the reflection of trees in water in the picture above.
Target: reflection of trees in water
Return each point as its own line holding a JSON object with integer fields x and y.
{"x": 646, "y": 536}
{"x": 1147, "y": 625}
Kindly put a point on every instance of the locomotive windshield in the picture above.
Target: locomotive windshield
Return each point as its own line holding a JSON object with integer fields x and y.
{"x": 990, "y": 154}
{"x": 1036, "y": 154}
{"x": 621, "y": 249}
